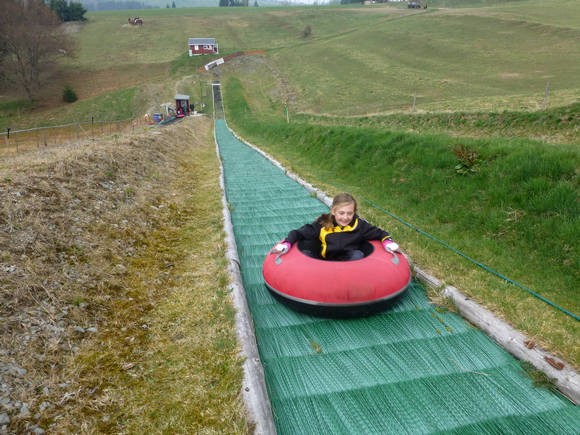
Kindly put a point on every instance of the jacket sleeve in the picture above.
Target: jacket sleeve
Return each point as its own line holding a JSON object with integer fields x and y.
{"x": 308, "y": 231}
{"x": 371, "y": 232}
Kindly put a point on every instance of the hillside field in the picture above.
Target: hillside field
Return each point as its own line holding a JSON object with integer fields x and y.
{"x": 462, "y": 119}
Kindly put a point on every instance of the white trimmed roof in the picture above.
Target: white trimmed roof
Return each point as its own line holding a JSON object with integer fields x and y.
{"x": 201, "y": 41}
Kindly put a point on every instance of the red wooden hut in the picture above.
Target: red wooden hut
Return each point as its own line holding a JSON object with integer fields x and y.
{"x": 199, "y": 46}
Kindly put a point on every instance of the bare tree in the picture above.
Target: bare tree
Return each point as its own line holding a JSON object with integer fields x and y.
{"x": 31, "y": 40}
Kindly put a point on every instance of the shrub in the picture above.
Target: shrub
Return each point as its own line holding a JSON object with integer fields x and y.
{"x": 69, "y": 95}
{"x": 467, "y": 160}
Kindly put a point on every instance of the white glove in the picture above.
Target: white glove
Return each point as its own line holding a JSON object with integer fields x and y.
{"x": 281, "y": 248}
{"x": 391, "y": 246}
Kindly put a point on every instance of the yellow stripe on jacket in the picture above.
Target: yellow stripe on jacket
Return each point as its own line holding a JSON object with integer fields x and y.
{"x": 336, "y": 229}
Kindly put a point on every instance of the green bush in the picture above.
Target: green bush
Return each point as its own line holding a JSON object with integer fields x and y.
{"x": 69, "y": 95}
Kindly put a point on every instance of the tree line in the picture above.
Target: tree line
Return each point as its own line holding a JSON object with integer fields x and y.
{"x": 68, "y": 11}
{"x": 225, "y": 3}
{"x": 114, "y": 5}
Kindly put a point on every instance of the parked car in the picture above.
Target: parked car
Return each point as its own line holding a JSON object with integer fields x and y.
{"x": 414, "y": 5}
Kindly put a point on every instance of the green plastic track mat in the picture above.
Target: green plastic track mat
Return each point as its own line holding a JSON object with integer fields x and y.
{"x": 411, "y": 369}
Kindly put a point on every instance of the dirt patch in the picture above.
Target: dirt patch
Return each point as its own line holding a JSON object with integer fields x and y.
{"x": 88, "y": 84}
{"x": 71, "y": 27}
{"x": 509, "y": 76}
{"x": 70, "y": 220}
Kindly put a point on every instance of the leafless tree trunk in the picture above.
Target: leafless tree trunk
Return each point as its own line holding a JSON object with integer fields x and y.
{"x": 31, "y": 39}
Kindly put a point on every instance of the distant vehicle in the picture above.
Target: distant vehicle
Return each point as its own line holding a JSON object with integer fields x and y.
{"x": 414, "y": 5}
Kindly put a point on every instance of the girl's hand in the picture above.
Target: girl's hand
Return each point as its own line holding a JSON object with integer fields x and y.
{"x": 390, "y": 246}
{"x": 281, "y": 248}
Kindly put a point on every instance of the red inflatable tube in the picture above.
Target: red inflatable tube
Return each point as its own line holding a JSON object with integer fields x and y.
{"x": 337, "y": 288}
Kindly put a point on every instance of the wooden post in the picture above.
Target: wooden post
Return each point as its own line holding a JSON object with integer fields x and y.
{"x": 547, "y": 95}
{"x": 7, "y": 137}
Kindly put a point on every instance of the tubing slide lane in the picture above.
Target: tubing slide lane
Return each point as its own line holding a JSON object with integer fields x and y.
{"x": 410, "y": 369}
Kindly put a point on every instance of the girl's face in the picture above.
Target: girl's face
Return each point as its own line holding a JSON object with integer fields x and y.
{"x": 343, "y": 214}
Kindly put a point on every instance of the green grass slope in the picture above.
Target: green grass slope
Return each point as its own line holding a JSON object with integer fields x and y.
{"x": 439, "y": 60}
{"x": 354, "y": 60}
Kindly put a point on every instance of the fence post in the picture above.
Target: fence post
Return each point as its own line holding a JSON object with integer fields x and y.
{"x": 547, "y": 94}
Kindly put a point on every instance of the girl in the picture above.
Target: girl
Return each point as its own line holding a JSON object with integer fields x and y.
{"x": 340, "y": 232}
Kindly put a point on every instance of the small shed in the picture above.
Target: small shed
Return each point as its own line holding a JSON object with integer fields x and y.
{"x": 182, "y": 106}
{"x": 199, "y": 46}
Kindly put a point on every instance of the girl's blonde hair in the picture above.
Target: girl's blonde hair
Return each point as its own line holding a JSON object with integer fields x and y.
{"x": 326, "y": 220}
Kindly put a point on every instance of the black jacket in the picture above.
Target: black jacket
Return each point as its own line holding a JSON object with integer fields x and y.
{"x": 337, "y": 240}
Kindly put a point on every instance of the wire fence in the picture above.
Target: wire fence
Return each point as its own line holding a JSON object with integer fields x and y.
{"x": 18, "y": 141}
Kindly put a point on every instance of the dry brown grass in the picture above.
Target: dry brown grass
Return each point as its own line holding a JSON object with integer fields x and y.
{"x": 114, "y": 311}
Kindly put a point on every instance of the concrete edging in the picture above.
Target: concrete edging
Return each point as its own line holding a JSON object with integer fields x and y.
{"x": 516, "y": 343}
{"x": 254, "y": 385}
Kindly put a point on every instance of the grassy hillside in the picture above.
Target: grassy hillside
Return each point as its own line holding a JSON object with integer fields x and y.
{"x": 553, "y": 125}
{"x": 355, "y": 60}
{"x": 387, "y": 102}
{"x": 97, "y": 243}
{"x": 382, "y": 61}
